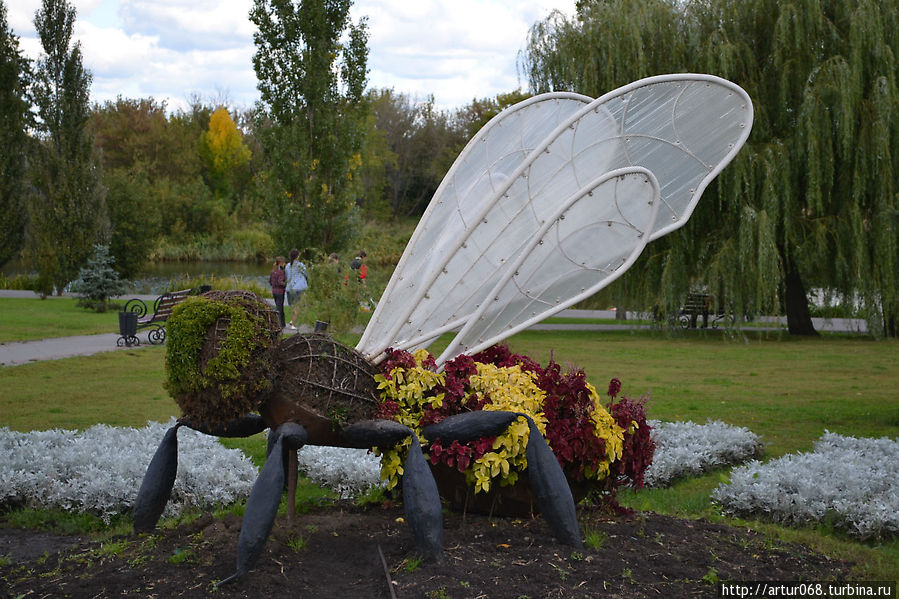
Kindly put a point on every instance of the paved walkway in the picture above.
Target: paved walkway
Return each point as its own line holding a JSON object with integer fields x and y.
{"x": 23, "y": 352}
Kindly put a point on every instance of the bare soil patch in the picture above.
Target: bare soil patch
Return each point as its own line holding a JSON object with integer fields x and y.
{"x": 335, "y": 551}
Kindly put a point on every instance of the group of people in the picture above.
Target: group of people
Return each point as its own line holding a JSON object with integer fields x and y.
{"x": 290, "y": 278}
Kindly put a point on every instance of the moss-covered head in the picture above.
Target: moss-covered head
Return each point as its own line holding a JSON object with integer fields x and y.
{"x": 219, "y": 355}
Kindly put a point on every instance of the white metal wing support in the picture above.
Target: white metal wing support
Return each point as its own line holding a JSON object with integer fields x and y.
{"x": 553, "y": 200}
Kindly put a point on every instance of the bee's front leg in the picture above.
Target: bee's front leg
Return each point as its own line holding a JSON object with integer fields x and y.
{"x": 156, "y": 487}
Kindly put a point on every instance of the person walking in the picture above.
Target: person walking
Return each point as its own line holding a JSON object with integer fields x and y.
{"x": 296, "y": 286}
{"x": 278, "y": 280}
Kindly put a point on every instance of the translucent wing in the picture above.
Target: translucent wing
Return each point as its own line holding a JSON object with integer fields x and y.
{"x": 482, "y": 167}
{"x": 683, "y": 128}
{"x": 594, "y": 238}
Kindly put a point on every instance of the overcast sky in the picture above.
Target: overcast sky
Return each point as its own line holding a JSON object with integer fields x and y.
{"x": 456, "y": 50}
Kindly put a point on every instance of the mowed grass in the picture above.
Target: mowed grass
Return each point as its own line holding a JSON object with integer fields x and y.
{"x": 120, "y": 388}
{"x": 788, "y": 390}
{"x": 24, "y": 319}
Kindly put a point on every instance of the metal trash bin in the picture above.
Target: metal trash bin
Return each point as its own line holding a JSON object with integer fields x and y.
{"x": 320, "y": 327}
{"x": 128, "y": 329}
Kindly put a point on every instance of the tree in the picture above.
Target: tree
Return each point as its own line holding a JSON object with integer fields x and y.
{"x": 156, "y": 176}
{"x": 98, "y": 280}
{"x": 14, "y": 116}
{"x": 812, "y": 200}
{"x": 469, "y": 119}
{"x": 422, "y": 142}
{"x": 134, "y": 218}
{"x": 68, "y": 210}
{"x": 311, "y": 63}
{"x": 137, "y": 131}
{"x": 224, "y": 152}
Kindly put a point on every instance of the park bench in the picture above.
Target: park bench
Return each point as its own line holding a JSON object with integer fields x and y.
{"x": 162, "y": 310}
{"x": 703, "y": 304}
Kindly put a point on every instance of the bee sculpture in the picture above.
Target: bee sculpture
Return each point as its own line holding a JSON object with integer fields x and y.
{"x": 551, "y": 201}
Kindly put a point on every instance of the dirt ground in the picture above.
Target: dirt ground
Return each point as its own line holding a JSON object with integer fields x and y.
{"x": 348, "y": 552}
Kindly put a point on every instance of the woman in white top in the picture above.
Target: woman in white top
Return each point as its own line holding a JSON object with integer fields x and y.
{"x": 296, "y": 286}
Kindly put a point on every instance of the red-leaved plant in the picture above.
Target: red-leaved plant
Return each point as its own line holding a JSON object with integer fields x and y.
{"x": 567, "y": 407}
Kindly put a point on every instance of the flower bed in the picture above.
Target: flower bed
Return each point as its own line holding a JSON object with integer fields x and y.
{"x": 689, "y": 449}
{"x": 599, "y": 447}
{"x": 849, "y": 483}
{"x": 100, "y": 469}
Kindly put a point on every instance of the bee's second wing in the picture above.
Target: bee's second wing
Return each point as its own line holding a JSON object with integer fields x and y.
{"x": 593, "y": 238}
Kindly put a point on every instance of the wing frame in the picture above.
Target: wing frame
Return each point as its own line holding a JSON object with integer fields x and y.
{"x": 679, "y": 219}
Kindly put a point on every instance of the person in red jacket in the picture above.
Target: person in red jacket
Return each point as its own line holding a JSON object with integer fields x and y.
{"x": 358, "y": 264}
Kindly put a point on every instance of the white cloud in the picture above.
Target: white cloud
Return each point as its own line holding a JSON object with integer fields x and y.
{"x": 456, "y": 50}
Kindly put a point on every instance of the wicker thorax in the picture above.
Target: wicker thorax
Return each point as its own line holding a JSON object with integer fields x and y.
{"x": 322, "y": 385}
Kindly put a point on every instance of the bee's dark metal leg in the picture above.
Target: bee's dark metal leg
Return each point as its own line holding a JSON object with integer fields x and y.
{"x": 156, "y": 488}
{"x": 292, "y": 465}
{"x": 420, "y": 496}
{"x": 262, "y": 506}
{"x": 551, "y": 490}
{"x": 422, "y": 503}
{"x": 548, "y": 483}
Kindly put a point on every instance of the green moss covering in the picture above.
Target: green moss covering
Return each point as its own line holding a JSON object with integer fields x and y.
{"x": 215, "y": 377}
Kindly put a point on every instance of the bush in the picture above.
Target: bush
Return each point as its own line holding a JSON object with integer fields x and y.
{"x": 845, "y": 482}
{"x": 99, "y": 470}
{"x": 689, "y": 449}
{"x": 23, "y": 282}
{"x": 331, "y": 298}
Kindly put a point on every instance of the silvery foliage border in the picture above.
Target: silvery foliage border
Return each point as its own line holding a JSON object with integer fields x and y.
{"x": 347, "y": 472}
{"x": 851, "y": 483}
{"x": 99, "y": 470}
{"x": 689, "y": 449}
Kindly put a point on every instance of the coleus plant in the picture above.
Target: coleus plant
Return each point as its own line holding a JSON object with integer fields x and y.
{"x": 607, "y": 445}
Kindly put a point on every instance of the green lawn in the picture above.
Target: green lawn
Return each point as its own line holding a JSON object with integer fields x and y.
{"x": 787, "y": 390}
{"x": 26, "y": 319}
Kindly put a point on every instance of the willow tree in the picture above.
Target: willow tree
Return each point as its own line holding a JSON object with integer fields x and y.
{"x": 812, "y": 200}
{"x": 311, "y": 63}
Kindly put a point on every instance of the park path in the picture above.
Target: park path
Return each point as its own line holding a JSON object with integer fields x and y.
{"x": 24, "y": 352}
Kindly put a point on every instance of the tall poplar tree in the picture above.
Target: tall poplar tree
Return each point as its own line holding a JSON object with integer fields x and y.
{"x": 311, "y": 63}
{"x": 812, "y": 201}
{"x": 68, "y": 211}
{"x": 14, "y": 112}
